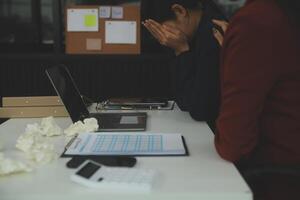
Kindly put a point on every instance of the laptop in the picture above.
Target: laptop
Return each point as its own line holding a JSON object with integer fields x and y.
{"x": 66, "y": 88}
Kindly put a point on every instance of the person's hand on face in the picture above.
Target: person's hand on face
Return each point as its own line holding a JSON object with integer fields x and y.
{"x": 218, "y": 35}
{"x": 168, "y": 36}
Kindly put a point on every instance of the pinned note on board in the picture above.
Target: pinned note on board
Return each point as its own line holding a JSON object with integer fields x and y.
{"x": 82, "y": 20}
{"x": 105, "y": 12}
{"x": 90, "y": 20}
{"x": 93, "y": 44}
{"x": 117, "y": 12}
{"x": 120, "y": 32}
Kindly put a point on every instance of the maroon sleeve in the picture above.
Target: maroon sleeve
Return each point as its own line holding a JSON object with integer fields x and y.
{"x": 247, "y": 76}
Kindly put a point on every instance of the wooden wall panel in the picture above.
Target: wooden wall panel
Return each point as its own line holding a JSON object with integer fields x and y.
{"x": 98, "y": 77}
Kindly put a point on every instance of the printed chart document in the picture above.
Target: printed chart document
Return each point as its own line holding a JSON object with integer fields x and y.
{"x": 120, "y": 32}
{"x": 136, "y": 144}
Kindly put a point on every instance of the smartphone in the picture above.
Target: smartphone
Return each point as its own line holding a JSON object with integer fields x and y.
{"x": 112, "y": 161}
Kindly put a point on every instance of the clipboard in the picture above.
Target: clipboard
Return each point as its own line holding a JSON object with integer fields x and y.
{"x": 71, "y": 142}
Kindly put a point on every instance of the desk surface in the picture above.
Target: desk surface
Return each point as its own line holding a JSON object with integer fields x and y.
{"x": 202, "y": 175}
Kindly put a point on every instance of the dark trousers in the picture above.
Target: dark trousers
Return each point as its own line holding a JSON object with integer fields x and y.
{"x": 272, "y": 182}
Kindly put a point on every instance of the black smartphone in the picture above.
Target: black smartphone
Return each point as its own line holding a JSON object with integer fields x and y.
{"x": 112, "y": 161}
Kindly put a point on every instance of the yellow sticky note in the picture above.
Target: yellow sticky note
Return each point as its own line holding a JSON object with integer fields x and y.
{"x": 90, "y": 20}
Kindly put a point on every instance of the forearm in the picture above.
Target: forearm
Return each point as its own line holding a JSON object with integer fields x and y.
{"x": 184, "y": 48}
{"x": 197, "y": 86}
{"x": 183, "y": 71}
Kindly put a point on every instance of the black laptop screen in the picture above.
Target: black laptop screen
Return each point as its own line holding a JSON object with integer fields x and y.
{"x": 66, "y": 88}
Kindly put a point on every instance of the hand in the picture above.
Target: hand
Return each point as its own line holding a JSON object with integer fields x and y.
{"x": 224, "y": 25}
{"x": 168, "y": 36}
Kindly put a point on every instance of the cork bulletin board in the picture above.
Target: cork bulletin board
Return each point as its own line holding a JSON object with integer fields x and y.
{"x": 103, "y": 29}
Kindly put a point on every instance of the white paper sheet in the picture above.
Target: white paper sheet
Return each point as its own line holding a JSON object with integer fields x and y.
{"x": 82, "y": 20}
{"x": 127, "y": 144}
{"x": 104, "y": 12}
{"x": 117, "y": 12}
{"x": 120, "y": 32}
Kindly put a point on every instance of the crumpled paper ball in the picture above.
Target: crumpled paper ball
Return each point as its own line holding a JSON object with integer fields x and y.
{"x": 49, "y": 128}
{"x": 1, "y": 146}
{"x": 42, "y": 153}
{"x": 31, "y": 136}
{"x": 87, "y": 126}
{"x": 35, "y": 145}
{"x": 9, "y": 166}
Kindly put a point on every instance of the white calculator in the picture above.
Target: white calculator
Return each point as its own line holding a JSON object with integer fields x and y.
{"x": 94, "y": 175}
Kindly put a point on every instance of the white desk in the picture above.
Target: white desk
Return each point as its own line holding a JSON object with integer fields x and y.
{"x": 202, "y": 175}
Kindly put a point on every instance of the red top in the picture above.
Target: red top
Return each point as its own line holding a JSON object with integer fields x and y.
{"x": 260, "y": 84}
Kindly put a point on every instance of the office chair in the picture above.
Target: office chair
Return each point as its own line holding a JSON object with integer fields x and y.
{"x": 274, "y": 182}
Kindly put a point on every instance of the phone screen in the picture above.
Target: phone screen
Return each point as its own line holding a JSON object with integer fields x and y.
{"x": 88, "y": 170}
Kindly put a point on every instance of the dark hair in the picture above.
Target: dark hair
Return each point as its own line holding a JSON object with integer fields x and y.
{"x": 162, "y": 9}
{"x": 292, "y": 10}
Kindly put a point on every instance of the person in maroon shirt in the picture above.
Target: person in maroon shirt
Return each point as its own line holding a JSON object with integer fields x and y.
{"x": 259, "y": 121}
{"x": 259, "y": 124}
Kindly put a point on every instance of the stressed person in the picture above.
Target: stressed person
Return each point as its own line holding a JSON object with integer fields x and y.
{"x": 186, "y": 27}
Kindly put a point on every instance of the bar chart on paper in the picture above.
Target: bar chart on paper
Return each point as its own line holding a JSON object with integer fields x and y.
{"x": 127, "y": 144}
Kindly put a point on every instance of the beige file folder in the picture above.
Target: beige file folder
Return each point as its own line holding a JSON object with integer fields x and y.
{"x": 31, "y": 101}
{"x": 33, "y": 112}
